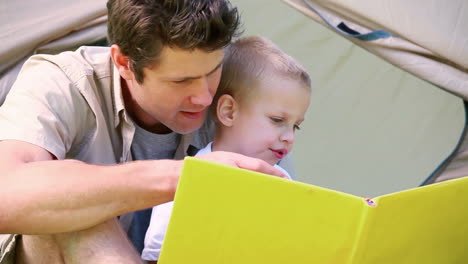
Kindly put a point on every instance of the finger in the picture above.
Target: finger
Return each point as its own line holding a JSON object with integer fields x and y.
{"x": 260, "y": 166}
{"x": 282, "y": 174}
{"x": 244, "y": 162}
{"x": 278, "y": 173}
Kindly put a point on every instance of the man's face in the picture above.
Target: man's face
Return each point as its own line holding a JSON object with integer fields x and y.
{"x": 176, "y": 93}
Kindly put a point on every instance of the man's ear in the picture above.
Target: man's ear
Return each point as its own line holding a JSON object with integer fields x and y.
{"x": 122, "y": 62}
{"x": 226, "y": 110}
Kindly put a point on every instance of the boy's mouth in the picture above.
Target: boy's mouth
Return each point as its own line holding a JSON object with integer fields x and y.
{"x": 280, "y": 153}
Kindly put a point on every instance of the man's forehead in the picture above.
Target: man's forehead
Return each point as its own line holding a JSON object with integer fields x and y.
{"x": 176, "y": 62}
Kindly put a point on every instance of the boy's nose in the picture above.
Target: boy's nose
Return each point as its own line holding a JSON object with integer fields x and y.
{"x": 288, "y": 136}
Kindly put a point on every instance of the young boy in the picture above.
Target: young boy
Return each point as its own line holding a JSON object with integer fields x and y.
{"x": 261, "y": 101}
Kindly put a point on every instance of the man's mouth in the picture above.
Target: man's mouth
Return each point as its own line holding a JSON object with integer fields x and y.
{"x": 194, "y": 115}
{"x": 280, "y": 153}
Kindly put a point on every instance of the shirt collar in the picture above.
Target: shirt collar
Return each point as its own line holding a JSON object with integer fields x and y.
{"x": 191, "y": 143}
{"x": 118, "y": 103}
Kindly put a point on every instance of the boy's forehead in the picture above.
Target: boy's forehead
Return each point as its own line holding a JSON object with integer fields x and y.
{"x": 266, "y": 83}
{"x": 280, "y": 88}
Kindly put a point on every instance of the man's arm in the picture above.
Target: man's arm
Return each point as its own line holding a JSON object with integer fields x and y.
{"x": 41, "y": 195}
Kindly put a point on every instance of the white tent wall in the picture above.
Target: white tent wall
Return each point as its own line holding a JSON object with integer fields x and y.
{"x": 371, "y": 128}
{"x": 47, "y": 26}
{"x": 428, "y": 38}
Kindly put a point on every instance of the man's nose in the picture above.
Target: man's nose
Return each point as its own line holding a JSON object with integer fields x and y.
{"x": 202, "y": 94}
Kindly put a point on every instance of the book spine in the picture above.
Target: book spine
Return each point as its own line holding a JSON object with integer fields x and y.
{"x": 368, "y": 207}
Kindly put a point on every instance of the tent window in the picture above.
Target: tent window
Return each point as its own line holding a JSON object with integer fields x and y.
{"x": 347, "y": 29}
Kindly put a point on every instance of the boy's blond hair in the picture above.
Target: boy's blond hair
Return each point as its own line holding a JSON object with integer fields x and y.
{"x": 250, "y": 59}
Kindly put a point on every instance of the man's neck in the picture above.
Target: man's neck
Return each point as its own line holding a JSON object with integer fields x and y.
{"x": 138, "y": 115}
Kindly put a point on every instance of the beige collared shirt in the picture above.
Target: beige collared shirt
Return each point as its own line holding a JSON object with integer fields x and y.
{"x": 71, "y": 105}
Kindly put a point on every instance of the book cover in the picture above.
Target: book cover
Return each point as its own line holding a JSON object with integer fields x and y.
{"x": 228, "y": 215}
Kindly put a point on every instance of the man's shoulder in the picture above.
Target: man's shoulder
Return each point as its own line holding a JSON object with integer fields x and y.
{"x": 82, "y": 79}
{"x": 84, "y": 61}
{"x": 88, "y": 70}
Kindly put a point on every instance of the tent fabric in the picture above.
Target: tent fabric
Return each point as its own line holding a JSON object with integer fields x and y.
{"x": 30, "y": 27}
{"x": 435, "y": 50}
{"x": 454, "y": 166}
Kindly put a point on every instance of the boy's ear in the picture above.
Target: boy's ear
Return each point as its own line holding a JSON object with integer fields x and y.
{"x": 226, "y": 110}
{"x": 122, "y": 62}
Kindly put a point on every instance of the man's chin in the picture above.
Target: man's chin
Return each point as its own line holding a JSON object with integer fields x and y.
{"x": 187, "y": 129}
{"x": 187, "y": 125}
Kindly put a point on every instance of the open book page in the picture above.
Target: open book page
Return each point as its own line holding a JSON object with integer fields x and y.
{"x": 422, "y": 225}
{"x": 228, "y": 215}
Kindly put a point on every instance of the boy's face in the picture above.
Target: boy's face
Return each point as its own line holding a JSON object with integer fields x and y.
{"x": 267, "y": 120}
{"x": 175, "y": 94}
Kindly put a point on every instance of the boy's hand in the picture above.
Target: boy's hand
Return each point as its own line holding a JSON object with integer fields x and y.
{"x": 244, "y": 162}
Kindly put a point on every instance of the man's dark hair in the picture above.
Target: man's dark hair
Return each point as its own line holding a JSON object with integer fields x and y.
{"x": 142, "y": 28}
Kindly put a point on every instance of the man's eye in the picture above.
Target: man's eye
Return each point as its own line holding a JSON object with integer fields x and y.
{"x": 183, "y": 81}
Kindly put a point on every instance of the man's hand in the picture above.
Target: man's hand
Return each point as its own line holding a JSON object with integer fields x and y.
{"x": 244, "y": 162}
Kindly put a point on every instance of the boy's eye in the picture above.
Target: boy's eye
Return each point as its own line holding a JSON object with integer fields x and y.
{"x": 296, "y": 127}
{"x": 276, "y": 119}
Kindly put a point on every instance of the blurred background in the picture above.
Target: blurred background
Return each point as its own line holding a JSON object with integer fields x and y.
{"x": 371, "y": 128}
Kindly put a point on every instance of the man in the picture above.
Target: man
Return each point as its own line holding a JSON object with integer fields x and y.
{"x": 70, "y": 118}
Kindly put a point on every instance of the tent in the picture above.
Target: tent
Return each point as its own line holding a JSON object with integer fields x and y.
{"x": 32, "y": 27}
{"x": 372, "y": 127}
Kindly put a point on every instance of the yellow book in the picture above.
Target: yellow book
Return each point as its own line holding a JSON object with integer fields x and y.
{"x": 226, "y": 215}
